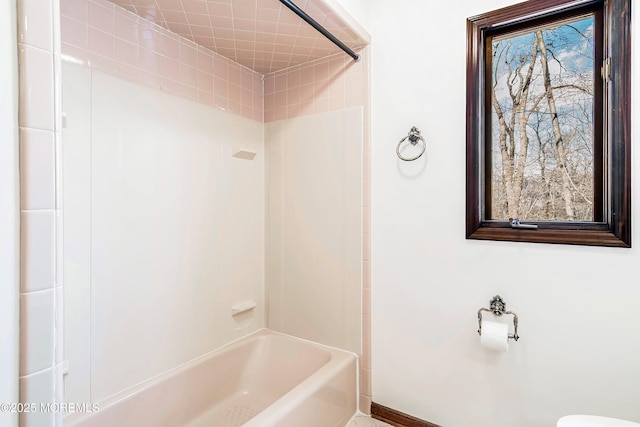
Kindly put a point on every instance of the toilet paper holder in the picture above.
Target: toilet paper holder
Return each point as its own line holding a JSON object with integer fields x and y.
{"x": 498, "y": 307}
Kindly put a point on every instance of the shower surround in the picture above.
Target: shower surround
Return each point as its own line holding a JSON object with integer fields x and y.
{"x": 108, "y": 40}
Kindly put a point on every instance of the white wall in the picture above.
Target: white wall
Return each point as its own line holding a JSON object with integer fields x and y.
{"x": 164, "y": 231}
{"x": 9, "y": 212}
{"x": 314, "y": 227}
{"x": 579, "y": 327}
{"x": 356, "y": 9}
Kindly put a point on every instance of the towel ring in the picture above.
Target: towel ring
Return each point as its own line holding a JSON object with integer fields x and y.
{"x": 414, "y": 136}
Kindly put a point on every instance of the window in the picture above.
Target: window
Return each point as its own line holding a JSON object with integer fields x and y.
{"x": 548, "y": 123}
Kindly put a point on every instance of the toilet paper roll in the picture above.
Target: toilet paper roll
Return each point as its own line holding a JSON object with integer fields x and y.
{"x": 495, "y": 336}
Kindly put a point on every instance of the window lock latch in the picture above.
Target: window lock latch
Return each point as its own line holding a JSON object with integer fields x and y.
{"x": 515, "y": 223}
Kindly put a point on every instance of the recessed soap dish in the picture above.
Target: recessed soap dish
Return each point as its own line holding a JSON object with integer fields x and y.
{"x": 242, "y": 307}
{"x": 245, "y": 154}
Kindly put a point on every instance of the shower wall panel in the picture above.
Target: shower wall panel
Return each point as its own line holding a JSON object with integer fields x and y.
{"x": 314, "y": 227}
{"x": 164, "y": 231}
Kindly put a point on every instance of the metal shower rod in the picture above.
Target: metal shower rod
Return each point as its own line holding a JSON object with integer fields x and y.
{"x": 302, "y": 14}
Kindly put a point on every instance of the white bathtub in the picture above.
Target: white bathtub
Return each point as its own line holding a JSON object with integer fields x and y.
{"x": 266, "y": 379}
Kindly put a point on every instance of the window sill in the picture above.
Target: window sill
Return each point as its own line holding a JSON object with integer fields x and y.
{"x": 555, "y": 236}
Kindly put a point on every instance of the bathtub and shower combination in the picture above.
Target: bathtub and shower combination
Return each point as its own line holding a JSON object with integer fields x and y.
{"x": 265, "y": 379}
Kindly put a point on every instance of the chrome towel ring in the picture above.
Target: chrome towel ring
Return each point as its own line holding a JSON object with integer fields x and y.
{"x": 414, "y": 137}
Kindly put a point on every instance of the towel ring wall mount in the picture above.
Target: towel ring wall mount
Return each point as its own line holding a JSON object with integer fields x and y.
{"x": 414, "y": 138}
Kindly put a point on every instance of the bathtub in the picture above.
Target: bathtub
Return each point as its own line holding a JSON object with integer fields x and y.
{"x": 265, "y": 379}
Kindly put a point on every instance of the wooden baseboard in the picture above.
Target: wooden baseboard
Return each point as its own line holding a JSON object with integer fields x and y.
{"x": 397, "y": 418}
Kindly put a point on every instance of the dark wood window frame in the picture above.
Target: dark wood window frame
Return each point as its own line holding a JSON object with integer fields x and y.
{"x": 614, "y": 227}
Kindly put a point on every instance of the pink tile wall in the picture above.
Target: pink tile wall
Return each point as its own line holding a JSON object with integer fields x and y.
{"x": 329, "y": 84}
{"x": 108, "y": 38}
